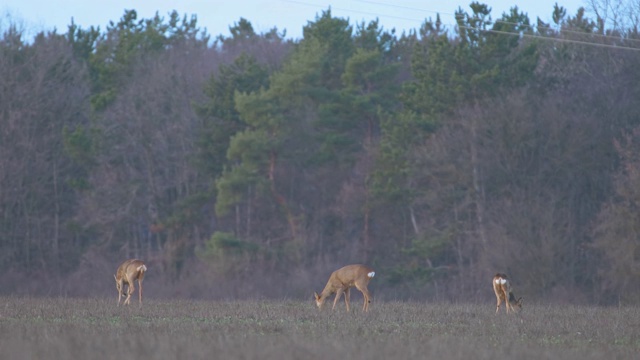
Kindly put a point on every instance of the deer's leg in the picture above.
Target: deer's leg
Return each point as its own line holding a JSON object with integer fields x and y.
{"x": 127, "y": 295}
{"x": 338, "y": 294}
{"x": 498, "y": 303}
{"x": 120, "y": 294}
{"x": 367, "y": 296}
{"x": 368, "y": 300}
{"x": 130, "y": 291}
{"x": 140, "y": 292}
{"x": 347, "y": 297}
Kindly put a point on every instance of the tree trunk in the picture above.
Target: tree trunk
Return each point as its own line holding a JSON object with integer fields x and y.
{"x": 280, "y": 199}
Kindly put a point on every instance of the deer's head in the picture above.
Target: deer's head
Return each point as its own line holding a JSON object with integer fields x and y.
{"x": 319, "y": 300}
{"x": 518, "y": 303}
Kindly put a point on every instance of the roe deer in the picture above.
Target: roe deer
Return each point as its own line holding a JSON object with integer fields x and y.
{"x": 502, "y": 288}
{"x": 128, "y": 272}
{"x": 342, "y": 280}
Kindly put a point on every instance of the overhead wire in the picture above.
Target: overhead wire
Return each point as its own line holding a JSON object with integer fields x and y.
{"x": 519, "y": 33}
{"x": 532, "y": 27}
{"x": 589, "y": 43}
{"x": 352, "y": 10}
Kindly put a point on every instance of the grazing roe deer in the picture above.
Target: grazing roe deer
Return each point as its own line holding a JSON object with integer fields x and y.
{"x": 502, "y": 288}
{"x": 342, "y": 280}
{"x": 128, "y": 272}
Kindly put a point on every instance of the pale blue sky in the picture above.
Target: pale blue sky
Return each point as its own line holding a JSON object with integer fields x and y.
{"x": 292, "y": 15}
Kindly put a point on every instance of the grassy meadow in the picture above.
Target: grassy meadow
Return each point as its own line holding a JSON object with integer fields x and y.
{"x": 63, "y": 328}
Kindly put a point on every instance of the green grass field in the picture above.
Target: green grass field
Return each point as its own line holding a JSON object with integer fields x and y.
{"x": 54, "y": 328}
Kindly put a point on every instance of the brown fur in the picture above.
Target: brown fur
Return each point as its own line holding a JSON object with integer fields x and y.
{"x": 502, "y": 289}
{"x": 342, "y": 280}
{"x": 128, "y": 272}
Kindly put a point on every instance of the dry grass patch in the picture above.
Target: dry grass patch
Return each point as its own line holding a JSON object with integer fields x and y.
{"x": 97, "y": 328}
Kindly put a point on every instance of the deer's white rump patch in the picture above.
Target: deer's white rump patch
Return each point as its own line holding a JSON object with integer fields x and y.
{"x": 501, "y": 281}
{"x": 371, "y": 274}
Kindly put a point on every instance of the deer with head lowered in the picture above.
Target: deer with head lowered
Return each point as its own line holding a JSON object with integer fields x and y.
{"x": 342, "y": 280}
{"x": 128, "y": 272}
{"x": 502, "y": 288}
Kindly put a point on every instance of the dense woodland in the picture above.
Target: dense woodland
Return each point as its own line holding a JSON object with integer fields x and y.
{"x": 252, "y": 165}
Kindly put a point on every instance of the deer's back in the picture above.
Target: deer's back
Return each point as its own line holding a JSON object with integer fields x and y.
{"x": 128, "y": 267}
{"x": 350, "y": 274}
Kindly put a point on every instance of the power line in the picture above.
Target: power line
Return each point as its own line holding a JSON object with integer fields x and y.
{"x": 541, "y": 37}
{"x": 555, "y": 39}
{"x": 354, "y": 11}
{"x": 568, "y": 31}
{"x": 532, "y": 27}
{"x": 405, "y": 7}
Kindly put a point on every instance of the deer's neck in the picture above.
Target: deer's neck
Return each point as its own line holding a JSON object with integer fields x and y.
{"x": 328, "y": 290}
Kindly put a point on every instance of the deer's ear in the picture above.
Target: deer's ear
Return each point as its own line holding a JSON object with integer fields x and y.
{"x": 315, "y": 294}
{"x": 115, "y": 277}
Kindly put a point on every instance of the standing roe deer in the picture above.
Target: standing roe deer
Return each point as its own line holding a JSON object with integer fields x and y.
{"x": 128, "y": 272}
{"x": 342, "y": 280}
{"x": 502, "y": 288}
